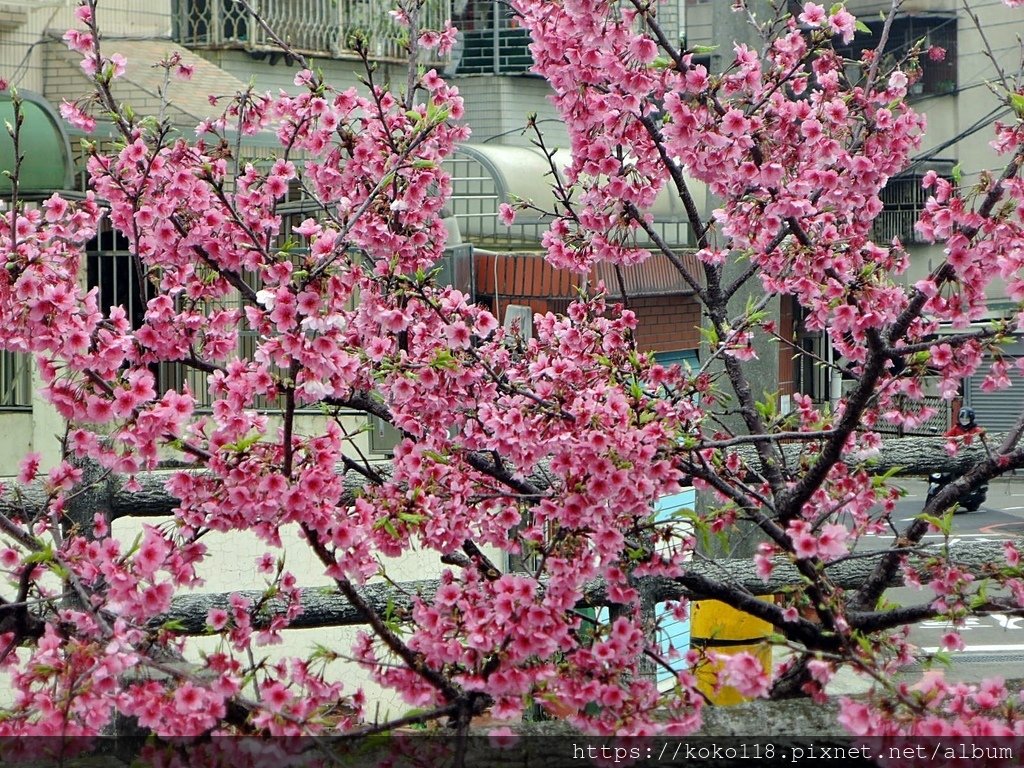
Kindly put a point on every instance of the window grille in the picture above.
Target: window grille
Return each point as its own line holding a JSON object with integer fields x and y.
{"x": 938, "y": 76}
{"x": 322, "y": 27}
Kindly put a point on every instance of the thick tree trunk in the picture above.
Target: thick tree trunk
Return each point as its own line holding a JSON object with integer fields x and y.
{"x": 909, "y": 456}
{"x": 324, "y": 607}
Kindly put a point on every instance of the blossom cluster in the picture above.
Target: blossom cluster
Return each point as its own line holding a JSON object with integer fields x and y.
{"x": 551, "y": 451}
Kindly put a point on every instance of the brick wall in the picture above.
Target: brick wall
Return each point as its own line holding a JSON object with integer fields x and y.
{"x": 497, "y": 108}
{"x": 667, "y": 323}
{"x": 522, "y": 275}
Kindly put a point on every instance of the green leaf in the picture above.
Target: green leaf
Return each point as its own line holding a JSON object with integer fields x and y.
{"x": 323, "y": 652}
{"x": 59, "y": 571}
{"x": 390, "y": 528}
{"x": 635, "y": 555}
{"x": 864, "y": 643}
{"x": 411, "y": 518}
{"x": 244, "y": 444}
{"x": 436, "y": 457}
{"x": 943, "y": 658}
{"x": 134, "y": 547}
{"x": 704, "y": 50}
{"x": 43, "y": 555}
{"x": 768, "y": 408}
{"x": 1017, "y": 102}
{"x": 877, "y": 481}
{"x": 436, "y": 113}
{"x": 445, "y": 360}
{"x": 957, "y": 173}
{"x": 860, "y": 26}
{"x": 982, "y": 596}
{"x": 943, "y": 523}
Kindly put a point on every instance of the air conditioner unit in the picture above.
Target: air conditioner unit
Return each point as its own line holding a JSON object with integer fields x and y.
{"x": 520, "y": 318}
{"x": 457, "y": 269}
{"x": 383, "y": 436}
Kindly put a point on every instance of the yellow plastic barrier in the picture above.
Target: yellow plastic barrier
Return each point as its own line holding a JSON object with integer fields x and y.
{"x": 725, "y": 630}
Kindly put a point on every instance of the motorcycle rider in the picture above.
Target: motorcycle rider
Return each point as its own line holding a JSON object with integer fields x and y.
{"x": 963, "y": 432}
{"x": 965, "y": 427}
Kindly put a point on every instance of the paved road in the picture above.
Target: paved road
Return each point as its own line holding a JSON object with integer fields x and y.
{"x": 995, "y": 644}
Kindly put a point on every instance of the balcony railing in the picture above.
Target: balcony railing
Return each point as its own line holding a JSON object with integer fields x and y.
{"x": 320, "y": 27}
{"x": 492, "y": 43}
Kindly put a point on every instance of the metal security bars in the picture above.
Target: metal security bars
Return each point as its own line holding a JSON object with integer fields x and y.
{"x": 903, "y": 201}
{"x": 321, "y": 27}
{"x": 492, "y": 43}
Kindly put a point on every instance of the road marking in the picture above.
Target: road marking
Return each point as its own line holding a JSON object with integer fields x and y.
{"x": 1003, "y": 621}
{"x": 979, "y": 648}
{"x": 984, "y": 535}
{"x": 997, "y": 528}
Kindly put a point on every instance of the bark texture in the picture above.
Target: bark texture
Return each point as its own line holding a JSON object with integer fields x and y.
{"x": 909, "y": 456}
{"x": 325, "y": 607}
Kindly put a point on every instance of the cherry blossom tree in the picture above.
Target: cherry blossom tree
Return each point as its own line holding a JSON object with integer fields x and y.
{"x": 552, "y": 450}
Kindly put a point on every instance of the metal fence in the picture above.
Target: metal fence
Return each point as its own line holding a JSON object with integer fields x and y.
{"x": 492, "y": 43}
{"x": 323, "y": 27}
{"x": 936, "y": 425}
{"x": 115, "y": 271}
{"x": 479, "y": 188}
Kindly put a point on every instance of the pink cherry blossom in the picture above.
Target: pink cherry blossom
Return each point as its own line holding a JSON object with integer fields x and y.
{"x": 554, "y": 450}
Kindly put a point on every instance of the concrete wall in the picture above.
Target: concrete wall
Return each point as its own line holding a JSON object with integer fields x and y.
{"x": 274, "y": 73}
{"x": 497, "y": 109}
{"x": 26, "y": 23}
{"x": 16, "y": 427}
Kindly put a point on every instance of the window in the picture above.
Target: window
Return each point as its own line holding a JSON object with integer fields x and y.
{"x": 938, "y": 76}
{"x": 490, "y": 43}
{"x": 323, "y": 27}
{"x": 15, "y": 380}
{"x": 903, "y": 200}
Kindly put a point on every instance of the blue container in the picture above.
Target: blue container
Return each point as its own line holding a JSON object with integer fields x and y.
{"x": 671, "y": 632}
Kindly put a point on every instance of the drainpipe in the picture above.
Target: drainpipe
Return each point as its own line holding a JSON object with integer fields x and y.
{"x": 835, "y": 388}
{"x": 496, "y": 36}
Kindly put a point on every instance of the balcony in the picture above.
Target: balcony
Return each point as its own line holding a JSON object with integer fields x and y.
{"x": 936, "y": 76}
{"x": 903, "y": 201}
{"x": 492, "y": 43}
{"x": 319, "y": 27}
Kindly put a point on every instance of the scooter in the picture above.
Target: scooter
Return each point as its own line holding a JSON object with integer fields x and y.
{"x": 968, "y": 502}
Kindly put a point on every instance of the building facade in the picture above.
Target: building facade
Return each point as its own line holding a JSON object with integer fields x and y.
{"x": 968, "y": 54}
{"x": 228, "y": 49}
